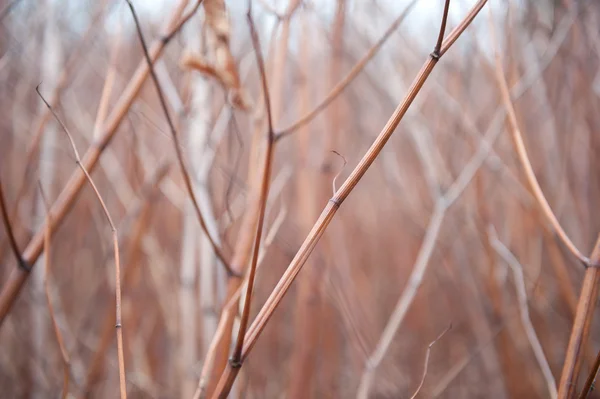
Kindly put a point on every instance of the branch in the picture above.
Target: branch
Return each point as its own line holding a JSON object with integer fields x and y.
{"x": 11, "y": 236}
{"x": 118, "y": 325}
{"x": 174, "y": 134}
{"x": 67, "y": 197}
{"x": 226, "y": 382}
{"x": 342, "y": 193}
{"x": 524, "y": 158}
{"x": 341, "y": 86}
{"x": 414, "y": 395}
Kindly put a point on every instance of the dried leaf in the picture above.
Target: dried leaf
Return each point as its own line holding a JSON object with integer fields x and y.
{"x": 223, "y": 69}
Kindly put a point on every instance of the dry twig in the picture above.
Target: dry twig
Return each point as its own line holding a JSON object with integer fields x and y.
{"x": 118, "y": 325}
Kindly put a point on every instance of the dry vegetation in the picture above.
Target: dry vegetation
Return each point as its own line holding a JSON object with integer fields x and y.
{"x": 292, "y": 202}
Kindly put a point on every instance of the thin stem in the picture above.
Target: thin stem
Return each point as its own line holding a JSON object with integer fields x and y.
{"x": 69, "y": 194}
{"x": 426, "y": 366}
{"x": 341, "y": 86}
{"x": 175, "y": 135}
{"x": 118, "y": 325}
{"x": 342, "y": 193}
{"x": 11, "y": 236}
{"x": 589, "y": 382}
{"x": 524, "y": 158}
{"x": 224, "y": 385}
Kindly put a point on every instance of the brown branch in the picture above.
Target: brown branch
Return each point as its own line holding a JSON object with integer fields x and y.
{"x": 581, "y": 327}
{"x": 335, "y": 202}
{"x": 426, "y": 366}
{"x": 235, "y": 363}
{"x": 589, "y": 382}
{"x": 118, "y": 325}
{"x": 341, "y": 86}
{"x": 11, "y": 236}
{"x": 67, "y": 197}
{"x": 175, "y": 135}
{"x": 63, "y": 350}
{"x": 524, "y": 158}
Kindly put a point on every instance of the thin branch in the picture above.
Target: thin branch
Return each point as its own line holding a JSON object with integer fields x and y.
{"x": 524, "y": 158}
{"x": 66, "y": 199}
{"x": 229, "y": 307}
{"x": 11, "y": 236}
{"x": 341, "y": 86}
{"x": 425, "y": 367}
{"x": 175, "y": 135}
{"x": 118, "y": 325}
{"x": 340, "y": 171}
{"x": 342, "y": 193}
{"x": 224, "y": 385}
{"x": 589, "y": 382}
{"x": 63, "y": 350}
{"x": 534, "y": 341}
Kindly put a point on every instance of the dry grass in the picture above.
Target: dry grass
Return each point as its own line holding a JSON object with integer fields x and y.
{"x": 224, "y": 152}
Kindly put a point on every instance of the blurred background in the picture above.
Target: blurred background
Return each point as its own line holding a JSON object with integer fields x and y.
{"x": 442, "y": 230}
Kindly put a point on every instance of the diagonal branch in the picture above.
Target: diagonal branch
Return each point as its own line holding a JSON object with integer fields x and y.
{"x": 118, "y": 325}
{"x": 235, "y": 363}
{"x": 174, "y": 134}
{"x": 69, "y": 194}
{"x": 341, "y": 86}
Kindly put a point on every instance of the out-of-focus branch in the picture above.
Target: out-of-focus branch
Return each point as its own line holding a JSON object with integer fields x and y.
{"x": 174, "y": 134}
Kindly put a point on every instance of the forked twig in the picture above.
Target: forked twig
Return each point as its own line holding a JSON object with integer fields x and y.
{"x": 235, "y": 363}
{"x": 426, "y": 366}
{"x": 175, "y": 136}
{"x": 534, "y": 341}
{"x": 67, "y": 197}
{"x": 118, "y": 325}
{"x": 342, "y": 193}
{"x": 524, "y": 158}
{"x": 341, "y": 85}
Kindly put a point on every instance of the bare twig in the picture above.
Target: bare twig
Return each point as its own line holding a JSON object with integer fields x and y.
{"x": 589, "y": 382}
{"x": 342, "y": 193}
{"x": 63, "y": 350}
{"x": 414, "y": 395}
{"x": 235, "y": 363}
{"x": 340, "y": 172}
{"x": 524, "y": 158}
{"x": 67, "y": 197}
{"x": 534, "y": 341}
{"x": 341, "y": 86}
{"x": 11, "y": 236}
{"x": 174, "y": 134}
{"x": 118, "y": 325}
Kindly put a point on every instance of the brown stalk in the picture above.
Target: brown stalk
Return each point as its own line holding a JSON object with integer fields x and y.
{"x": 581, "y": 327}
{"x": 235, "y": 363}
{"x": 243, "y": 246}
{"x": 44, "y": 116}
{"x": 426, "y": 366}
{"x": 229, "y": 309}
{"x": 130, "y": 266}
{"x": 524, "y": 158}
{"x": 589, "y": 291}
{"x": 11, "y": 236}
{"x": 589, "y": 382}
{"x": 69, "y": 194}
{"x": 335, "y": 202}
{"x": 118, "y": 326}
{"x": 341, "y": 85}
{"x": 175, "y": 135}
{"x": 59, "y": 339}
